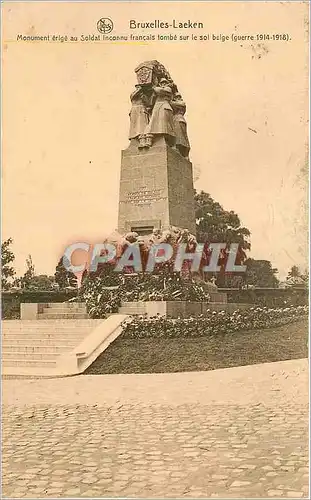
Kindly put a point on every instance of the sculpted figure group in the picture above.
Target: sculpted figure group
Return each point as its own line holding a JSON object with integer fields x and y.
{"x": 173, "y": 235}
{"x": 158, "y": 109}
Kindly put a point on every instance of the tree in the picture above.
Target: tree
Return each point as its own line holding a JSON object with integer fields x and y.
{"x": 296, "y": 278}
{"x": 29, "y": 274}
{"x": 294, "y": 272}
{"x": 305, "y": 277}
{"x": 7, "y": 271}
{"x": 217, "y": 225}
{"x": 260, "y": 273}
{"x": 41, "y": 282}
{"x": 63, "y": 277}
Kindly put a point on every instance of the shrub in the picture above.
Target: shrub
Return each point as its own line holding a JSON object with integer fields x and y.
{"x": 269, "y": 297}
{"x": 102, "y": 299}
{"x": 11, "y": 300}
{"x": 212, "y": 322}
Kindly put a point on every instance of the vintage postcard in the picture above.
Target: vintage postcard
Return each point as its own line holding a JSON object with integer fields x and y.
{"x": 155, "y": 270}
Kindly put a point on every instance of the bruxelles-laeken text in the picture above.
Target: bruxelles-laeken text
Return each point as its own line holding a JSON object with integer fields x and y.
{"x": 156, "y": 23}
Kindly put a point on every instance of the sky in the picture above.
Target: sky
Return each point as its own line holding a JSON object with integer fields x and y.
{"x": 65, "y": 120}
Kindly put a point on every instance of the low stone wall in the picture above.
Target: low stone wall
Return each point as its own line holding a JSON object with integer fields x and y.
{"x": 53, "y": 310}
{"x": 268, "y": 297}
{"x": 218, "y": 297}
{"x": 31, "y": 311}
{"x": 228, "y": 307}
{"x": 177, "y": 309}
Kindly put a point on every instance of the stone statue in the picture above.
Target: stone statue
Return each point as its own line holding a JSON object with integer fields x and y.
{"x": 176, "y": 231}
{"x": 149, "y": 73}
{"x": 158, "y": 109}
{"x": 139, "y": 117}
{"x": 180, "y": 126}
{"x": 131, "y": 237}
{"x": 161, "y": 121}
{"x": 156, "y": 236}
{"x": 211, "y": 285}
{"x": 167, "y": 236}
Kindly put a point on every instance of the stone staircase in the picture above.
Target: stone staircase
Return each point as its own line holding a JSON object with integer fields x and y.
{"x": 65, "y": 310}
{"x": 28, "y": 344}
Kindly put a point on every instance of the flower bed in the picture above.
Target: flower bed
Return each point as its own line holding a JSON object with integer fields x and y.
{"x": 212, "y": 322}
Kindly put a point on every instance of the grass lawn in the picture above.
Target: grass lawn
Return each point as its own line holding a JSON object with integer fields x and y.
{"x": 152, "y": 355}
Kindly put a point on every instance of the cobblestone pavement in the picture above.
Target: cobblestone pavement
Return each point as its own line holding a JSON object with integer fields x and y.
{"x": 140, "y": 446}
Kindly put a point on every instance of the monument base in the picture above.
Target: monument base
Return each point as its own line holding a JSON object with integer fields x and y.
{"x": 156, "y": 189}
{"x": 177, "y": 309}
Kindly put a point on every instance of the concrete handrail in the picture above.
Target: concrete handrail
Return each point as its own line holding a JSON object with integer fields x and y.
{"x": 80, "y": 358}
{"x": 105, "y": 332}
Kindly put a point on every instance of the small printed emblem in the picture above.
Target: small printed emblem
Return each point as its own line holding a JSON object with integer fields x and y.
{"x": 105, "y": 25}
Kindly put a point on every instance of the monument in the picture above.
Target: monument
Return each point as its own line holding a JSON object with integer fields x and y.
{"x": 156, "y": 183}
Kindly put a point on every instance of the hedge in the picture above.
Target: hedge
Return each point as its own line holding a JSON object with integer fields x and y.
{"x": 268, "y": 297}
{"x": 11, "y": 301}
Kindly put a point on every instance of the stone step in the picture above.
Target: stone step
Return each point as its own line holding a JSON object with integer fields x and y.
{"x": 51, "y": 325}
{"x": 47, "y": 332}
{"x": 37, "y": 331}
{"x": 56, "y": 315}
{"x": 30, "y": 352}
{"x": 131, "y": 310}
{"x": 26, "y": 348}
{"x": 44, "y": 328}
{"x": 63, "y": 310}
{"x": 29, "y": 363}
{"x": 67, "y": 305}
{"x": 31, "y": 356}
{"x": 55, "y": 338}
{"x": 33, "y": 344}
{"x": 40, "y": 342}
{"x": 58, "y": 322}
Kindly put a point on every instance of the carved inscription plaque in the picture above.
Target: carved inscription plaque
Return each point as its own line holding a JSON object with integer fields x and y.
{"x": 143, "y": 196}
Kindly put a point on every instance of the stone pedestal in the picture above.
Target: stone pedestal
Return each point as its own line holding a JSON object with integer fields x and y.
{"x": 156, "y": 189}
